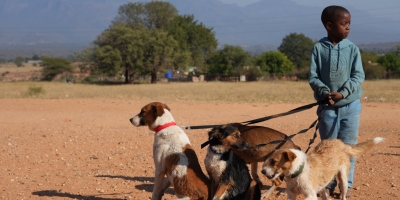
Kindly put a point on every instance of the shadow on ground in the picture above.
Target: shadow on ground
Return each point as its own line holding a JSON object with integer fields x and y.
{"x": 55, "y": 193}
{"x": 146, "y": 187}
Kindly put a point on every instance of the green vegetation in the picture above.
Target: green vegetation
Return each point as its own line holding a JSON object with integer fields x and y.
{"x": 149, "y": 39}
{"x": 297, "y": 47}
{"x": 54, "y": 66}
{"x": 391, "y": 62}
{"x": 275, "y": 63}
{"x": 19, "y": 61}
{"x": 34, "y": 91}
{"x": 229, "y": 61}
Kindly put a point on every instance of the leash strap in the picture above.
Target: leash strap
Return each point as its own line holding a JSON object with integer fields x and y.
{"x": 296, "y": 110}
{"x": 282, "y": 142}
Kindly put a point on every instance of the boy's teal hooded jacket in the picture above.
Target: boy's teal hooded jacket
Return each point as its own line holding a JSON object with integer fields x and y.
{"x": 336, "y": 69}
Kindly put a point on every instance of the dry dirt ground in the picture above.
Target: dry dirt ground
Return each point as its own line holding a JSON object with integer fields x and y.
{"x": 87, "y": 148}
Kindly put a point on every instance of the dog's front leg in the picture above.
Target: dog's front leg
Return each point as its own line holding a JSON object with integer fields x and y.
{"x": 220, "y": 192}
{"x": 311, "y": 196}
{"x": 254, "y": 169}
{"x": 269, "y": 192}
{"x": 165, "y": 185}
{"x": 212, "y": 188}
{"x": 159, "y": 182}
{"x": 290, "y": 194}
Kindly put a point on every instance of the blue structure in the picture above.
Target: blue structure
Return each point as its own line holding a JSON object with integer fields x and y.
{"x": 168, "y": 74}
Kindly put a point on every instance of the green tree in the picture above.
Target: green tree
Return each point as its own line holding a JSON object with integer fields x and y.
{"x": 372, "y": 69}
{"x": 35, "y": 57}
{"x": 194, "y": 38}
{"x": 161, "y": 52}
{"x": 275, "y": 63}
{"x": 18, "y": 61}
{"x": 297, "y": 48}
{"x": 151, "y": 15}
{"x": 54, "y": 66}
{"x": 229, "y": 61}
{"x": 138, "y": 41}
{"x": 391, "y": 62}
{"x": 120, "y": 49}
{"x": 86, "y": 58}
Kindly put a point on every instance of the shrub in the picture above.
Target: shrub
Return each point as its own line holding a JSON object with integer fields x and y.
{"x": 90, "y": 79}
{"x": 35, "y": 91}
{"x": 5, "y": 73}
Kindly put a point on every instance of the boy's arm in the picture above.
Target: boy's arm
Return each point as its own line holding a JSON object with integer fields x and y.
{"x": 357, "y": 76}
{"x": 313, "y": 78}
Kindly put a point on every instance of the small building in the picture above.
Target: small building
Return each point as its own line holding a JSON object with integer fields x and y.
{"x": 34, "y": 61}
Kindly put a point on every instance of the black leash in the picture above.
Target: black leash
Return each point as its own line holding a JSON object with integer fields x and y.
{"x": 280, "y": 142}
{"x": 296, "y": 110}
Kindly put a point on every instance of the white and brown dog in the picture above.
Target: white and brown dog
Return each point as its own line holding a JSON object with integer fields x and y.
{"x": 310, "y": 174}
{"x": 173, "y": 155}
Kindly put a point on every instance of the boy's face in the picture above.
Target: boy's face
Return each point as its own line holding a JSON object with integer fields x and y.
{"x": 340, "y": 29}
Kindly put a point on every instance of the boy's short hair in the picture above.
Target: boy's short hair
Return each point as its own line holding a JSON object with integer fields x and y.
{"x": 332, "y": 13}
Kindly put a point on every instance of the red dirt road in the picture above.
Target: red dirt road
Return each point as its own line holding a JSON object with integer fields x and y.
{"x": 87, "y": 148}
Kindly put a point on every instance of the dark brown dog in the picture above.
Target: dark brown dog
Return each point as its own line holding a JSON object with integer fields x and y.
{"x": 229, "y": 175}
{"x": 255, "y": 135}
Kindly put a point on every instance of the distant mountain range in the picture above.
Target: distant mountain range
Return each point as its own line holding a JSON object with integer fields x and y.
{"x": 265, "y": 23}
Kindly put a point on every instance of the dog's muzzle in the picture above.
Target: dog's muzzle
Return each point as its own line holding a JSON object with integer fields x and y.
{"x": 241, "y": 146}
{"x": 268, "y": 176}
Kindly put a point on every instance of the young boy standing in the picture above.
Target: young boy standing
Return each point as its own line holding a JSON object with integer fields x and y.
{"x": 336, "y": 74}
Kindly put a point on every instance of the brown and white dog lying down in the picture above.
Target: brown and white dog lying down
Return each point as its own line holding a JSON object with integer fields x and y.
{"x": 229, "y": 175}
{"x": 255, "y": 135}
{"x": 309, "y": 174}
{"x": 173, "y": 155}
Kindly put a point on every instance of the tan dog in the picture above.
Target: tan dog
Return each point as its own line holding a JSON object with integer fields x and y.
{"x": 229, "y": 175}
{"x": 310, "y": 174}
{"x": 173, "y": 155}
{"x": 255, "y": 135}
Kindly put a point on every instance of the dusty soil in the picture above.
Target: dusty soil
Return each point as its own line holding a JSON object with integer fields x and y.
{"x": 87, "y": 148}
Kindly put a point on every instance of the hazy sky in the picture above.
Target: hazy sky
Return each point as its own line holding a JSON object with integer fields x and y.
{"x": 384, "y": 8}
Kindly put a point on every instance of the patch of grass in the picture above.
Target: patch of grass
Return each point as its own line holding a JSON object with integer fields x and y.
{"x": 34, "y": 91}
{"x": 12, "y": 67}
{"x": 224, "y": 92}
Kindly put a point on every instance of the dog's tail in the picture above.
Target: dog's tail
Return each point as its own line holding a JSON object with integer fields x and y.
{"x": 365, "y": 146}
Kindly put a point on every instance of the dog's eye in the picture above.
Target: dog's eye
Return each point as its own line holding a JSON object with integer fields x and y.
{"x": 236, "y": 136}
{"x": 272, "y": 162}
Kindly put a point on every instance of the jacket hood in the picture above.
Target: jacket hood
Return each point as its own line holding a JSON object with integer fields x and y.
{"x": 328, "y": 44}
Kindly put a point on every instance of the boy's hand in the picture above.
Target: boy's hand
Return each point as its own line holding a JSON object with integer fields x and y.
{"x": 336, "y": 96}
{"x": 329, "y": 99}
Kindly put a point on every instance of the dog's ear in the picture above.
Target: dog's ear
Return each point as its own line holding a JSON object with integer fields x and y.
{"x": 214, "y": 133}
{"x": 166, "y": 107}
{"x": 158, "y": 109}
{"x": 289, "y": 155}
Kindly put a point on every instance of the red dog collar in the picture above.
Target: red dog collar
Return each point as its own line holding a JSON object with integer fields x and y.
{"x": 159, "y": 128}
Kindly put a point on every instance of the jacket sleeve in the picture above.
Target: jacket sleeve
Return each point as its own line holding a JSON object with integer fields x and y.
{"x": 357, "y": 75}
{"x": 314, "y": 76}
